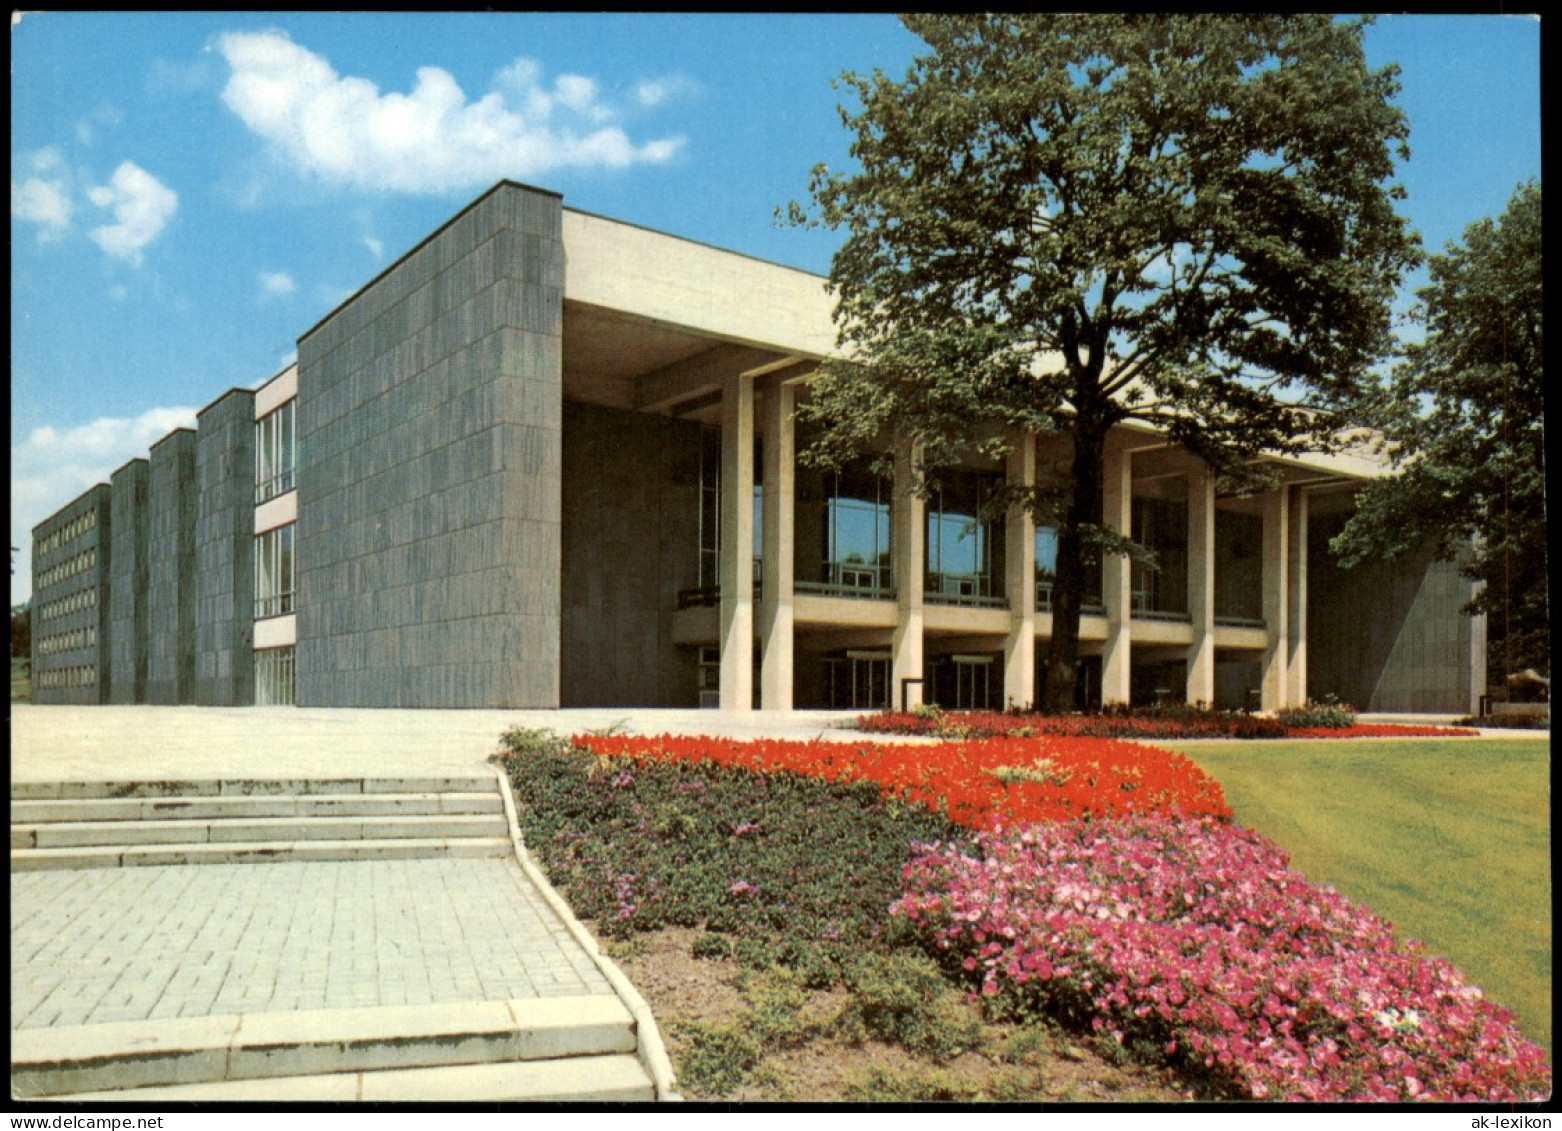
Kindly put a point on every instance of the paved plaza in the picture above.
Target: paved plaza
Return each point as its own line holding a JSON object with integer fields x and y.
{"x": 129, "y": 944}
{"x": 155, "y": 743}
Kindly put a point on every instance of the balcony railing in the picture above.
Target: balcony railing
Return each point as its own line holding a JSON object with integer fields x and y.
{"x": 272, "y": 486}
{"x": 711, "y": 594}
{"x": 1227, "y": 620}
{"x": 1087, "y": 607}
{"x": 275, "y": 605}
{"x": 966, "y": 589}
{"x": 856, "y": 580}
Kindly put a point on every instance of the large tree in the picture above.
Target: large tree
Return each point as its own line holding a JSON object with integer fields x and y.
{"x": 1464, "y": 418}
{"x": 1066, "y": 222}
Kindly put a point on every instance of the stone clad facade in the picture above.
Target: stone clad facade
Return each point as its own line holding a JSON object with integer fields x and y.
{"x": 549, "y": 459}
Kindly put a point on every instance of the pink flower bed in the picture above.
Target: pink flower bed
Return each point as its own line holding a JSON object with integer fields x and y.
{"x": 1196, "y": 938}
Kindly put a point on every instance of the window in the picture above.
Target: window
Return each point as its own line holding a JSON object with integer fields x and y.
{"x": 965, "y": 541}
{"x": 1047, "y": 574}
{"x": 276, "y": 451}
{"x": 842, "y": 532}
{"x": 274, "y": 572}
{"x": 274, "y": 677}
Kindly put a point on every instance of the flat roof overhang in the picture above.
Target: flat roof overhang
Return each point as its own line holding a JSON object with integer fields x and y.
{"x": 656, "y": 323}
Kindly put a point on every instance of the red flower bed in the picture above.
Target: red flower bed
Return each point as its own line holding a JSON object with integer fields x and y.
{"x": 1380, "y": 730}
{"x": 973, "y": 782}
{"x": 1167, "y": 723}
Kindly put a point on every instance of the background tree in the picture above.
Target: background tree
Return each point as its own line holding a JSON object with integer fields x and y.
{"x": 1064, "y": 222}
{"x": 1464, "y": 415}
{"x": 21, "y": 632}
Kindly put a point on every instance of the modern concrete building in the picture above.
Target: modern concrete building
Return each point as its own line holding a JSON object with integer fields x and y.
{"x": 547, "y": 459}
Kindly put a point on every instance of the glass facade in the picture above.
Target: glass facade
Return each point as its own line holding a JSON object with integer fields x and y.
{"x": 1161, "y": 525}
{"x": 276, "y": 452}
{"x": 274, "y": 572}
{"x": 709, "y": 571}
{"x": 841, "y": 532}
{"x": 274, "y": 677}
{"x": 857, "y": 681}
{"x": 965, "y": 543}
{"x": 1239, "y": 567}
{"x": 1047, "y": 573}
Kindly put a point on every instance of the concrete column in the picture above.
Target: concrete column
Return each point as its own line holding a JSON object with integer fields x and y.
{"x": 1478, "y": 672}
{"x": 908, "y": 556}
{"x": 1201, "y": 585}
{"x": 1296, "y": 658}
{"x": 1019, "y": 651}
{"x": 1117, "y": 587}
{"x": 737, "y": 543}
{"x": 775, "y": 673}
{"x": 1276, "y": 590}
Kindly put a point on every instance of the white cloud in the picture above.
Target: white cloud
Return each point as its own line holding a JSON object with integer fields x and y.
{"x": 433, "y": 139}
{"x": 43, "y": 198}
{"x": 654, "y": 92}
{"x": 376, "y": 247}
{"x": 52, "y": 466}
{"x": 142, "y": 206}
{"x": 41, "y": 202}
{"x": 277, "y": 283}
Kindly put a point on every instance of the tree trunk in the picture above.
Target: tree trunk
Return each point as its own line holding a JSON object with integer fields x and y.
{"x": 1075, "y": 561}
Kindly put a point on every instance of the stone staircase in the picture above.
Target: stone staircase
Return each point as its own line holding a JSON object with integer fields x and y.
{"x": 130, "y": 823}
{"x": 554, "y": 1049}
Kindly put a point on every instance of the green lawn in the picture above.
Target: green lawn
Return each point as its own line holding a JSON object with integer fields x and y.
{"x": 1449, "y": 839}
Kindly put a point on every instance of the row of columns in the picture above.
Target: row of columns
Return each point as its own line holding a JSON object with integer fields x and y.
{"x": 1284, "y": 664}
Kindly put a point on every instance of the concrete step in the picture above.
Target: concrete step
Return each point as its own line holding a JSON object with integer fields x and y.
{"x": 215, "y": 787}
{"x": 581, "y": 1079}
{"x": 82, "y": 1060}
{"x": 254, "y": 852}
{"x": 255, "y": 830}
{"x": 33, "y": 812}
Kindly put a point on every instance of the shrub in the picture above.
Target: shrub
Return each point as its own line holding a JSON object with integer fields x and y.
{"x": 718, "y": 1059}
{"x": 1113, "y": 721}
{"x": 778, "y": 1008}
{"x": 877, "y": 1085}
{"x": 1121, "y": 722}
{"x": 710, "y": 946}
{"x": 1330, "y": 714}
{"x": 903, "y": 999}
{"x": 1506, "y": 722}
{"x": 1196, "y": 938}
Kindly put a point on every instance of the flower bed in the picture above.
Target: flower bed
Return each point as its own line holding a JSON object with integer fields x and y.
{"x": 1163, "y": 722}
{"x": 1014, "y": 780}
{"x": 1194, "y": 938}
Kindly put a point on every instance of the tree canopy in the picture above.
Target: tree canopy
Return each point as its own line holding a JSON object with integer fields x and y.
{"x": 1065, "y": 222}
{"x": 1464, "y": 419}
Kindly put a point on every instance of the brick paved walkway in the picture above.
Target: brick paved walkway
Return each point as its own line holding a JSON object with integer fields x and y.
{"x": 188, "y": 941}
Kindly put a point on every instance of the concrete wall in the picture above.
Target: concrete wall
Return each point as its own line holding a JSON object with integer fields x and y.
{"x": 1386, "y": 636}
{"x": 430, "y": 420}
{"x": 630, "y": 543}
{"x": 170, "y": 567}
{"x": 127, "y": 585}
{"x": 225, "y": 552}
{"x": 70, "y": 649}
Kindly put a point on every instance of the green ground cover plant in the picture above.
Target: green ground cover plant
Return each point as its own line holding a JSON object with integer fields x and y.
{"x": 799, "y": 873}
{"x": 1450, "y": 839}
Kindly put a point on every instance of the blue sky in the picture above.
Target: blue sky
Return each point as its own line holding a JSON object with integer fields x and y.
{"x": 190, "y": 192}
